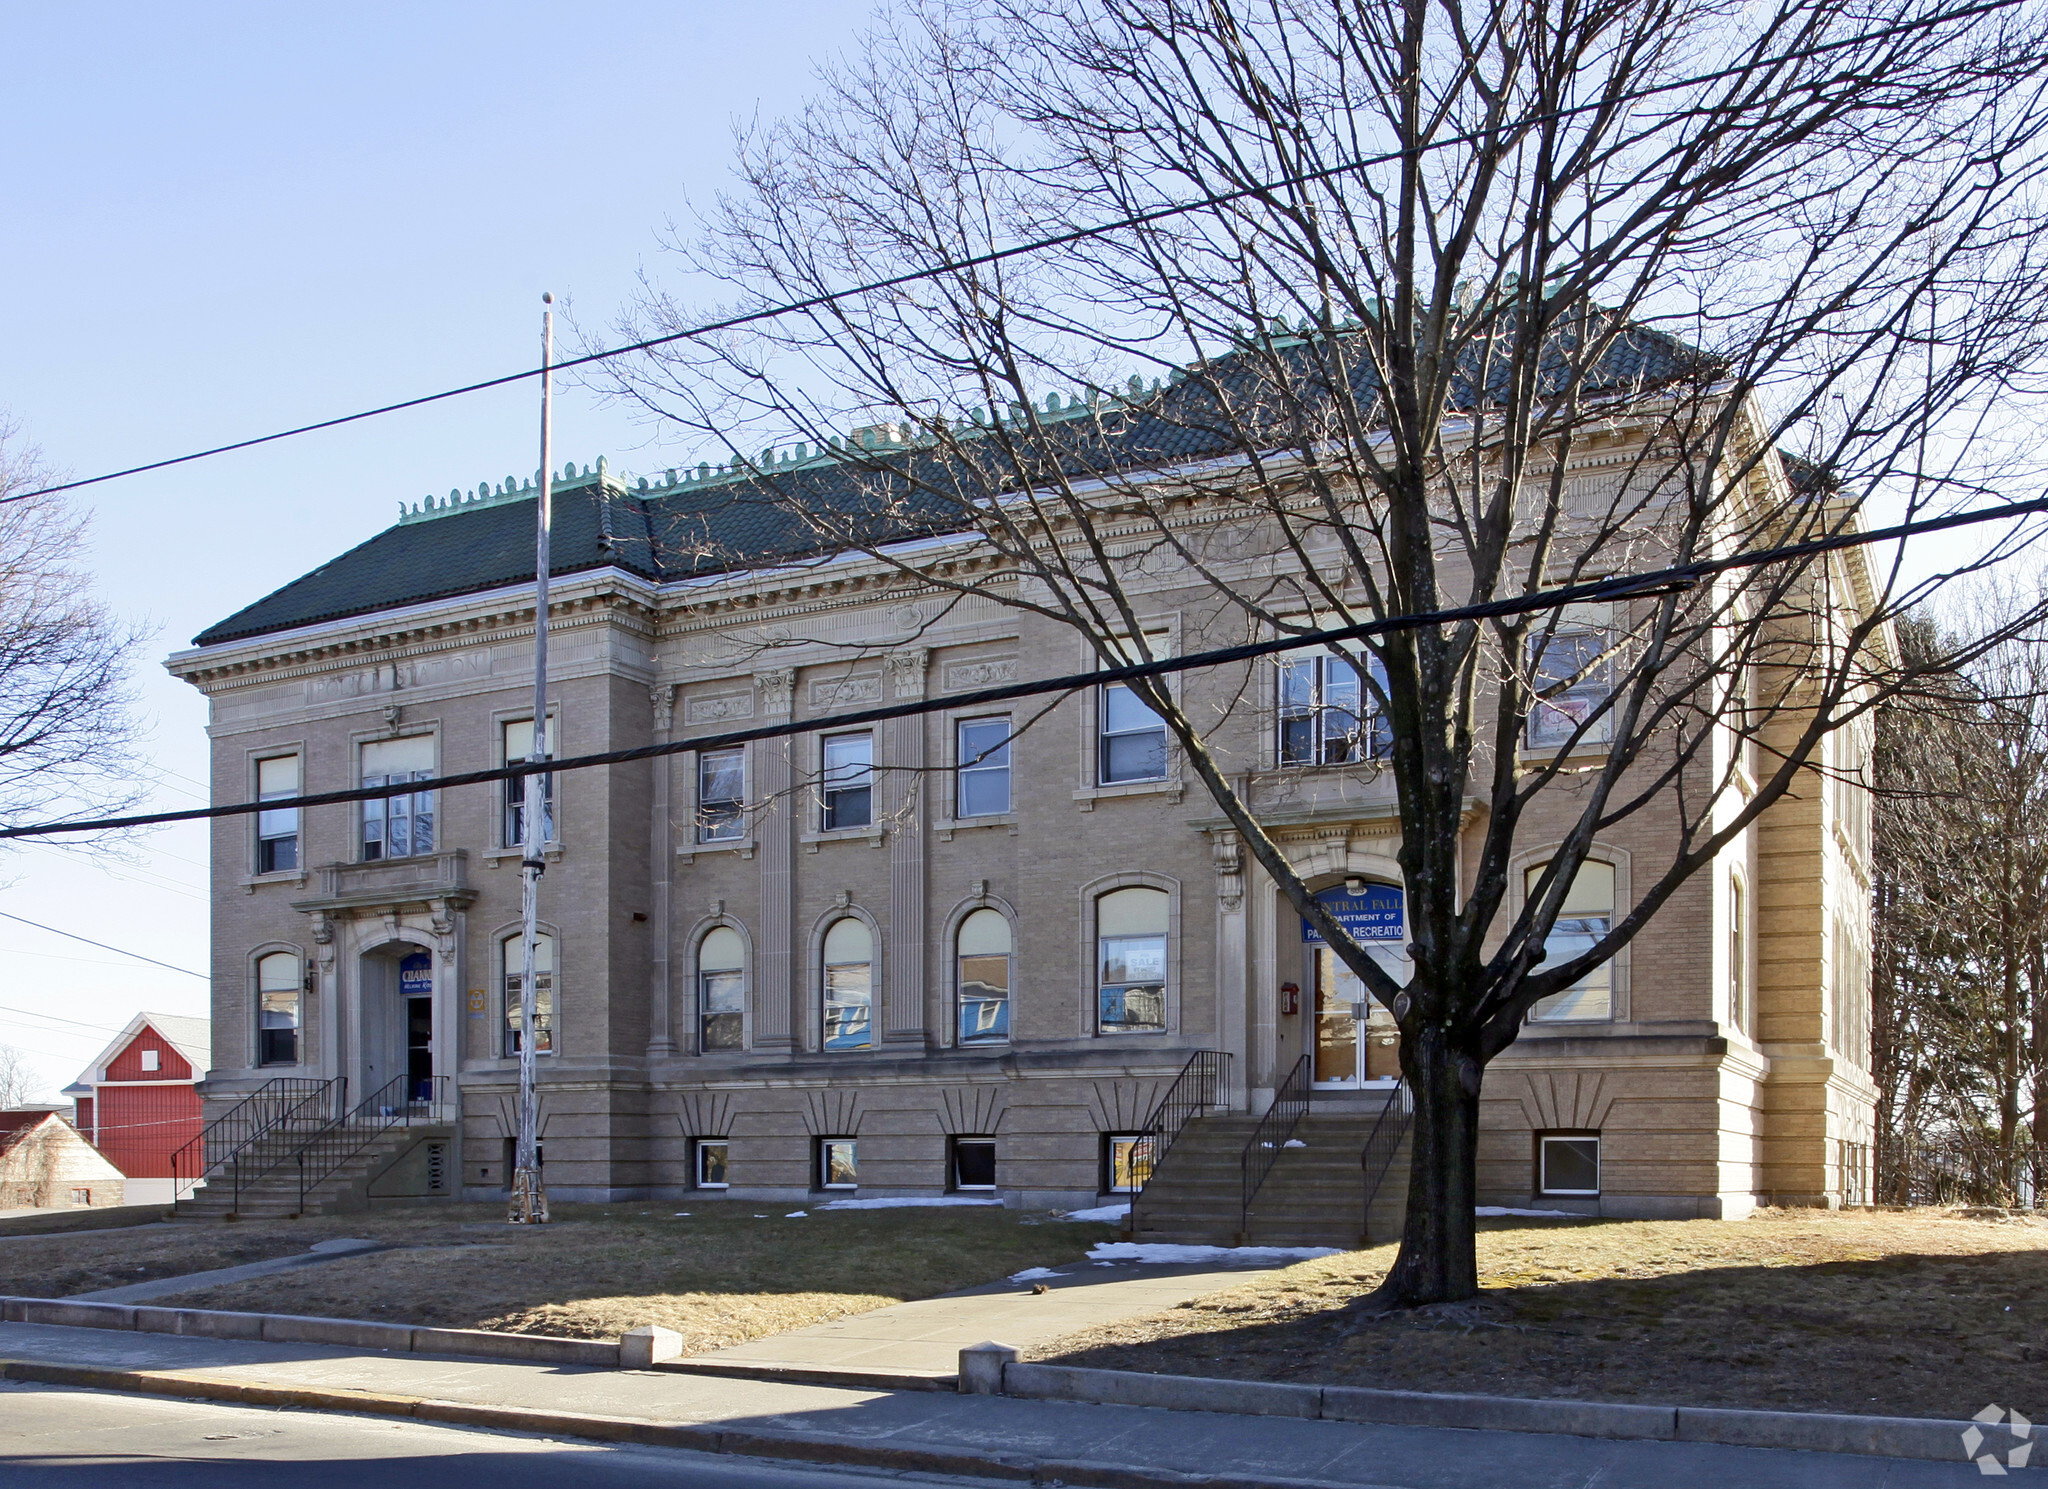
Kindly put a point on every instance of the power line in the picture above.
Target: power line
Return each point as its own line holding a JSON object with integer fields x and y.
{"x": 117, "y": 950}
{"x": 1618, "y": 587}
{"x": 53, "y": 1018}
{"x": 1748, "y": 67}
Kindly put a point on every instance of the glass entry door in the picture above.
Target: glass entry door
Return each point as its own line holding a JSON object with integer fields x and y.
{"x": 1352, "y": 1051}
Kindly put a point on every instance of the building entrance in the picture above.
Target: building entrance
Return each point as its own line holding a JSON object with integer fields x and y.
{"x": 416, "y": 995}
{"x": 1356, "y": 1042}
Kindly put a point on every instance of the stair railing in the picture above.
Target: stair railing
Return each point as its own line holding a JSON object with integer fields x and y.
{"x": 407, "y": 1101}
{"x": 232, "y": 1146}
{"x": 1270, "y": 1137}
{"x": 1200, "y": 1086}
{"x": 1389, "y": 1130}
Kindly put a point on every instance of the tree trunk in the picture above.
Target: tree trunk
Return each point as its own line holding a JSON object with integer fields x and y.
{"x": 1438, "y": 1262}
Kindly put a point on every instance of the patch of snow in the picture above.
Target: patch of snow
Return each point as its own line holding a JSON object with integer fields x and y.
{"x": 1160, "y": 1251}
{"x": 797, "y": 1215}
{"x": 1294, "y": 1142}
{"x": 911, "y": 1202}
{"x": 1494, "y": 1212}
{"x": 1032, "y": 1274}
{"x": 1100, "y": 1212}
{"x": 681, "y": 1215}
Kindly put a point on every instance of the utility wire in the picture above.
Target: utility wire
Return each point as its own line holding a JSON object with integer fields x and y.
{"x": 51, "y": 1017}
{"x": 1750, "y": 66}
{"x": 1618, "y": 587}
{"x": 117, "y": 950}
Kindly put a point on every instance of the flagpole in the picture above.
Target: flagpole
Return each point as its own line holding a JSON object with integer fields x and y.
{"x": 529, "y": 1193}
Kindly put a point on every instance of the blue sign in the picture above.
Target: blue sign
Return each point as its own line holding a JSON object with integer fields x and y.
{"x": 416, "y": 976}
{"x": 1373, "y": 914}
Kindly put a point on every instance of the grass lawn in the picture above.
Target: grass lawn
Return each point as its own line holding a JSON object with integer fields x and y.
{"x": 719, "y": 1277}
{"x": 1914, "y": 1314}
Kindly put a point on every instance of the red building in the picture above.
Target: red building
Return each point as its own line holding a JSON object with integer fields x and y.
{"x": 137, "y": 1104}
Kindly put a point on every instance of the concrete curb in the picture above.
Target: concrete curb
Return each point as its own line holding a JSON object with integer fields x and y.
{"x": 813, "y": 1375}
{"x": 797, "y": 1447}
{"x": 288, "y": 1328}
{"x": 72, "y": 1222}
{"x": 1821, "y": 1432}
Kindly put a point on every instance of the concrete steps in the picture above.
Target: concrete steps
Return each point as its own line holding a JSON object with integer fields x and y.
{"x": 275, "y": 1194}
{"x": 1314, "y": 1194}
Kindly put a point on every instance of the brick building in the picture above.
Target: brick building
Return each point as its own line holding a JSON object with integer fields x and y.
{"x": 887, "y": 957}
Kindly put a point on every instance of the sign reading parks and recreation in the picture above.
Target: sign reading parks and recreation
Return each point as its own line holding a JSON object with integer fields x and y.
{"x": 416, "y": 976}
{"x": 1372, "y": 914}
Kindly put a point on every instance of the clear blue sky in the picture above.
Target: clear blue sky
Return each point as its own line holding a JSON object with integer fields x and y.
{"x": 228, "y": 218}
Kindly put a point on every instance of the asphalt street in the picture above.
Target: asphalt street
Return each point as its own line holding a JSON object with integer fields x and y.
{"x": 52, "y": 1437}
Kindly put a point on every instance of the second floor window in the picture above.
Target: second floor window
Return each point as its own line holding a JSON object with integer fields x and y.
{"x": 1326, "y": 715}
{"x": 721, "y": 794}
{"x": 1133, "y": 738}
{"x": 398, "y": 826}
{"x": 277, "y": 833}
{"x": 983, "y": 755}
{"x": 515, "y": 745}
{"x": 1572, "y": 676}
{"x": 848, "y": 784}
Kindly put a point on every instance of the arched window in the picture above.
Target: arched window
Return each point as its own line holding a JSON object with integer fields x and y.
{"x": 512, "y": 951}
{"x": 1130, "y": 959}
{"x": 984, "y": 978}
{"x": 1583, "y": 920}
{"x": 280, "y": 984}
{"x": 722, "y": 990}
{"x": 849, "y": 985}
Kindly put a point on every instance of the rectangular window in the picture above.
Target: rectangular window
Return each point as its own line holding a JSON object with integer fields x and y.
{"x": 277, "y": 832}
{"x": 1572, "y": 675}
{"x": 837, "y": 1168}
{"x": 1568, "y": 1164}
{"x": 1326, "y": 715}
{"x": 280, "y": 982}
{"x": 849, "y": 780}
{"x": 1584, "y": 919}
{"x": 515, "y": 745}
{"x": 711, "y": 1156}
{"x": 513, "y": 951}
{"x": 150, "y": 1060}
{"x": 1133, "y": 738}
{"x": 1127, "y": 1162}
{"x": 983, "y": 757}
{"x": 723, "y": 998}
{"x": 1738, "y": 957}
{"x": 974, "y": 1163}
{"x": 721, "y": 794}
{"x": 403, "y": 825}
{"x": 81, "y": 1196}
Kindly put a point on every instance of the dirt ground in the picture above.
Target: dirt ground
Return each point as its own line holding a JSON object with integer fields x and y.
{"x": 1915, "y": 1314}
{"x": 726, "y": 1273}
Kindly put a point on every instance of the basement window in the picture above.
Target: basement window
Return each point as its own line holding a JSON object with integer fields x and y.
{"x": 837, "y": 1165}
{"x": 711, "y": 1156}
{"x": 1568, "y": 1164}
{"x": 974, "y": 1164}
{"x": 1126, "y": 1162}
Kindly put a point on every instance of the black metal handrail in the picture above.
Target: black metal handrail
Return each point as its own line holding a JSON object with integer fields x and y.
{"x": 1199, "y": 1087}
{"x": 1381, "y": 1144}
{"x": 233, "y": 1143}
{"x": 397, "y": 1103}
{"x": 1290, "y": 1105}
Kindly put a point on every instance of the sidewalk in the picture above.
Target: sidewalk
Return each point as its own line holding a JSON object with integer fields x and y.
{"x": 930, "y": 1431}
{"x": 923, "y": 1339}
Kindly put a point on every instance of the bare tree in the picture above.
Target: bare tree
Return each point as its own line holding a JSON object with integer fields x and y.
{"x": 66, "y": 733}
{"x": 1472, "y": 301}
{"x": 18, "y": 1079}
{"x": 1961, "y": 986}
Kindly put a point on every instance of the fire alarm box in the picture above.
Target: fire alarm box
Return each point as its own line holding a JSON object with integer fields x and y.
{"x": 1290, "y": 998}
